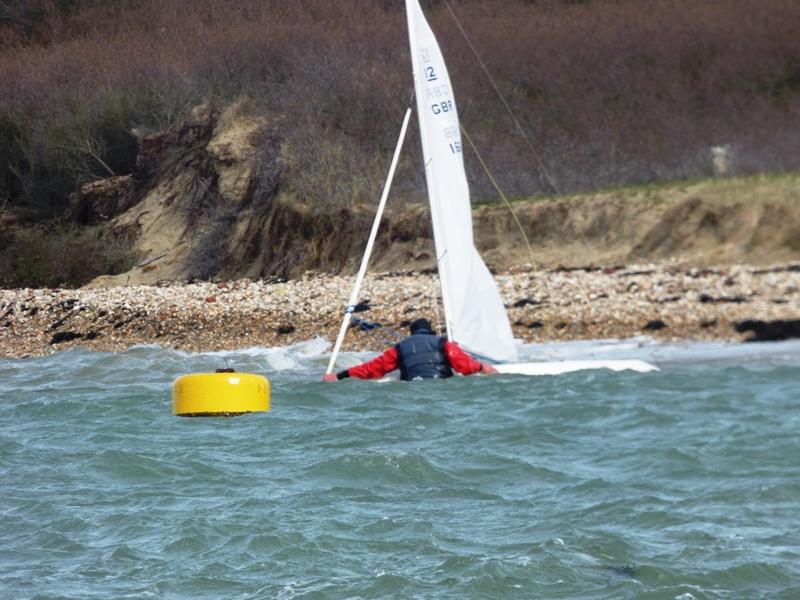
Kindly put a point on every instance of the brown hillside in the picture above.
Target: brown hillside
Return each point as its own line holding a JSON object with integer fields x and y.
{"x": 205, "y": 203}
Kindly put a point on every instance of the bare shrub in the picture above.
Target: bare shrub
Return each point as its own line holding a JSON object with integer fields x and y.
{"x": 608, "y": 93}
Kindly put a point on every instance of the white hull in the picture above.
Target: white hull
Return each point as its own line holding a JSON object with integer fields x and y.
{"x": 568, "y": 366}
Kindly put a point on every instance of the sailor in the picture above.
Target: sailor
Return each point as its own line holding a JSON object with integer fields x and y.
{"x": 422, "y": 355}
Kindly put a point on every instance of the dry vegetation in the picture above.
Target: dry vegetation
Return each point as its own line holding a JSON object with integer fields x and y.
{"x": 611, "y": 93}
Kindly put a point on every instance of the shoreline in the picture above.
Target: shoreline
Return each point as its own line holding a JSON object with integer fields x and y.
{"x": 663, "y": 301}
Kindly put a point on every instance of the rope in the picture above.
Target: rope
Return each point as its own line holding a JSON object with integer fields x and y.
{"x": 503, "y": 100}
{"x": 502, "y": 195}
{"x": 435, "y": 304}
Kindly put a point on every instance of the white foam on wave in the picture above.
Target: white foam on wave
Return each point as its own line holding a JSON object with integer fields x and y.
{"x": 656, "y": 351}
{"x": 313, "y": 355}
{"x": 280, "y": 358}
{"x": 299, "y": 356}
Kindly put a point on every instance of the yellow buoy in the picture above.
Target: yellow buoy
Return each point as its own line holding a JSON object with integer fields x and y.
{"x": 221, "y": 394}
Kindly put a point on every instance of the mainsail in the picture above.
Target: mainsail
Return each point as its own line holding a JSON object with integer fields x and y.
{"x": 474, "y": 312}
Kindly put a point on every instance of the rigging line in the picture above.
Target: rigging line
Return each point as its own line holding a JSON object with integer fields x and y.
{"x": 435, "y": 308}
{"x": 435, "y": 305}
{"x": 502, "y": 195}
{"x": 503, "y": 100}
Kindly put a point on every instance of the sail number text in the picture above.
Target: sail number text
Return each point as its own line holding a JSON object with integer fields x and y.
{"x": 442, "y": 107}
{"x": 453, "y": 139}
{"x": 440, "y": 98}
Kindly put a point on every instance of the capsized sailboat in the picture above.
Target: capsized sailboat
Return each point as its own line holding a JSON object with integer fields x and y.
{"x": 475, "y": 316}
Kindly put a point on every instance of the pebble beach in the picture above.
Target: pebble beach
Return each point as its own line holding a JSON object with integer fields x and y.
{"x": 664, "y": 301}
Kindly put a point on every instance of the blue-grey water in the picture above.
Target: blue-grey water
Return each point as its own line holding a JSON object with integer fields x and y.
{"x": 681, "y": 484}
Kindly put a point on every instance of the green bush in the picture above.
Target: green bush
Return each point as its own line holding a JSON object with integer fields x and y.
{"x": 60, "y": 255}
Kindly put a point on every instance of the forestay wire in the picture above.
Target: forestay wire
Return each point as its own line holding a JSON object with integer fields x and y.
{"x": 503, "y": 100}
{"x": 503, "y": 196}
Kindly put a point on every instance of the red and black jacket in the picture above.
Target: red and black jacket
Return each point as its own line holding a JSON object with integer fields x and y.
{"x": 420, "y": 356}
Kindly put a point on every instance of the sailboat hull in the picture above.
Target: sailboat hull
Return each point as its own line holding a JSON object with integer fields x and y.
{"x": 569, "y": 366}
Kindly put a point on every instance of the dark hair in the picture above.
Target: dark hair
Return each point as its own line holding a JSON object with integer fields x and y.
{"x": 421, "y": 326}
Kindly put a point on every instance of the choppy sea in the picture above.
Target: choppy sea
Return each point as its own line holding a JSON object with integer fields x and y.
{"x": 681, "y": 484}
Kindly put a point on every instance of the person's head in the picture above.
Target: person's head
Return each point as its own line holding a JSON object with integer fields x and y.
{"x": 421, "y": 326}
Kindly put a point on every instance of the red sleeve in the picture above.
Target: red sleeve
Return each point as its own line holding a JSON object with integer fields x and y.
{"x": 377, "y": 367}
{"x": 460, "y": 360}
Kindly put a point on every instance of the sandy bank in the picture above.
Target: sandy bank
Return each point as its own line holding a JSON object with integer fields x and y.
{"x": 658, "y": 300}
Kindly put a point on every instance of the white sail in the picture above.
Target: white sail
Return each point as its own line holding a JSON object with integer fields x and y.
{"x": 474, "y": 312}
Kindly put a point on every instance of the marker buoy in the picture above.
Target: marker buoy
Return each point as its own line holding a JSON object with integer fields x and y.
{"x": 221, "y": 394}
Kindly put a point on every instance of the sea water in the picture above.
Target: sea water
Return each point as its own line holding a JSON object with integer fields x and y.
{"x": 681, "y": 484}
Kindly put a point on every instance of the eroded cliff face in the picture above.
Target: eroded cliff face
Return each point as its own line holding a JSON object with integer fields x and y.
{"x": 196, "y": 188}
{"x": 714, "y": 222}
{"x": 207, "y": 201}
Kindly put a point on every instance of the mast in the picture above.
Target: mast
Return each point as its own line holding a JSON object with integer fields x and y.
{"x": 348, "y": 313}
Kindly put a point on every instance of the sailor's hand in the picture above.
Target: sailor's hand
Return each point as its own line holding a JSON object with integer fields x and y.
{"x": 488, "y": 369}
{"x": 329, "y": 377}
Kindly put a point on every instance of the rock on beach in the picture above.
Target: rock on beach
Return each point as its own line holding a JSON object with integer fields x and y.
{"x": 662, "y": 301}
